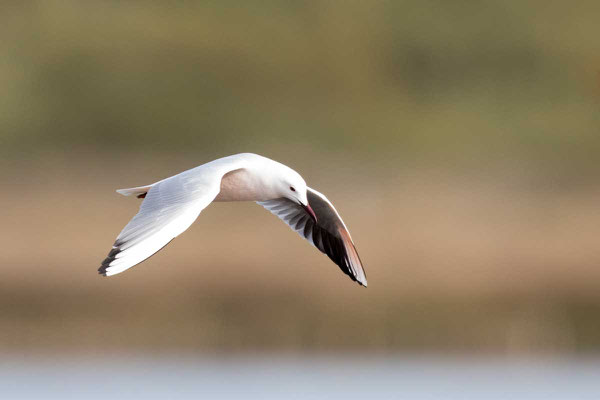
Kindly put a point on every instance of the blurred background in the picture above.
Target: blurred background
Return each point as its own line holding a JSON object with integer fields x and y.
{"x": 459, "y": 141}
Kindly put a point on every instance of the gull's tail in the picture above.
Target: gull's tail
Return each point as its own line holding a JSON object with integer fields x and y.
{"x": 139, "y": 192}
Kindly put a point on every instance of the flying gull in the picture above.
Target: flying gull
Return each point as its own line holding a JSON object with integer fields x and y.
{"x": 170, "y": 206}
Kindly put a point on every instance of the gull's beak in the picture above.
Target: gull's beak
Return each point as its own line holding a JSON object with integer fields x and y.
{"x": 310, "y": 211}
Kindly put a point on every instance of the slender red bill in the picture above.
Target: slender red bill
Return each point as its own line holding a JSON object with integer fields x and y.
{"x": 310, "y": 211}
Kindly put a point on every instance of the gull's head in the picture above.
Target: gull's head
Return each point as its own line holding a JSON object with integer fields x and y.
{"x": 293, "y": 187}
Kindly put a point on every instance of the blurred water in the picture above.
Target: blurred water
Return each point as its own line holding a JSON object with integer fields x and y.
{"x": 298, "y": 378}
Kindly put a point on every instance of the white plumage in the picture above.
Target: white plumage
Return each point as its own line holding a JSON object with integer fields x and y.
{"x": 170, "y": 206}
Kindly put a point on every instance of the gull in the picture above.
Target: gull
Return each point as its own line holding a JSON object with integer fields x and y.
{"x": 171, "y": 205}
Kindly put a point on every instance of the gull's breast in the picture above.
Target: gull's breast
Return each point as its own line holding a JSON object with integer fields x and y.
{"x": 241, "y": 185}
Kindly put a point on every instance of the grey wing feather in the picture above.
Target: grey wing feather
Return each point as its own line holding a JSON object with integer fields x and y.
{"x": 329, "y": 234}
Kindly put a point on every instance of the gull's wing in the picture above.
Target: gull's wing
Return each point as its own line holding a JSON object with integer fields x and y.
{"x": 169, "y": 208}
{"x": 329, "y": 234}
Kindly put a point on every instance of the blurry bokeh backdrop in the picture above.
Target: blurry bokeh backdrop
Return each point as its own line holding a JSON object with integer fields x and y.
{"x": 459, "y": 140}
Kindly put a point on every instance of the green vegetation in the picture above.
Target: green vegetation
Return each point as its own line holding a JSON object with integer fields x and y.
{"x": 446, "y": 82}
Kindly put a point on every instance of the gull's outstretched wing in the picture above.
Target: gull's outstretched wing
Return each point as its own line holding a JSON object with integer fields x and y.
{"x": 169, "y": 208}
{"x": 329, "y": 234}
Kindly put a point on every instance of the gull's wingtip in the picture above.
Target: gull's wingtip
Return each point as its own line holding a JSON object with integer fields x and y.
{"x": 361, "y": 279}
{"x": 102, "y": 270}
{"x": 105, "y": 271}
{"x": 112, "y": 255}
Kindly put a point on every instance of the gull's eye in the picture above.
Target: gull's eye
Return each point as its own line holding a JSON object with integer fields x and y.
{"x": 292, "y": 189}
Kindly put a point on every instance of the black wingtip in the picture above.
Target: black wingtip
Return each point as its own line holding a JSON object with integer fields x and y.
{"x": 336, "y": 250}
{"x": 112, "y": 255}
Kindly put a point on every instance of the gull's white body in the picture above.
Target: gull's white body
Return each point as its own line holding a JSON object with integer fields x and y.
{"x": 170, "y": 206}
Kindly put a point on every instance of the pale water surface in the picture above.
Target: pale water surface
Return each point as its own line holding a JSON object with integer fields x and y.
{"x": 120, "y": 377}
